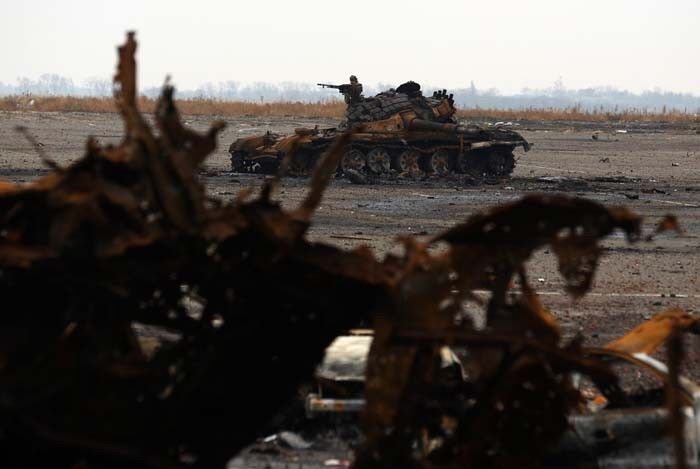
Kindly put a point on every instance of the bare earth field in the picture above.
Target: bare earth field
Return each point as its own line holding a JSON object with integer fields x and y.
{"x": 653, "y": 169}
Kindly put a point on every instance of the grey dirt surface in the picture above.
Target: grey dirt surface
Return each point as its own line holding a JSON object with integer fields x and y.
{"x": 652, "y": 169}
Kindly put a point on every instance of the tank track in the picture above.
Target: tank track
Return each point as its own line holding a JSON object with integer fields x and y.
{"x": 437, "y": 161}
{"x": 397, "y": 160}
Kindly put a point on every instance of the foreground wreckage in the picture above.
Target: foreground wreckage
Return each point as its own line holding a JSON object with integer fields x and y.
{"x": 631, "y": 433}
{"x": 397, "y": 131}
{"x": 242, "y": 307}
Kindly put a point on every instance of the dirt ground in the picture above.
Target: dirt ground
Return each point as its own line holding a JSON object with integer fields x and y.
{"x": 653, "y": 169}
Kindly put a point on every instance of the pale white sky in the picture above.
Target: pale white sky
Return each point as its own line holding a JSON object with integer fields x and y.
{"x": 506, "y": 44}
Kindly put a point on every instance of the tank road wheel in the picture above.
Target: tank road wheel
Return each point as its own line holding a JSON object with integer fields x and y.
{"x": 406, "y": 163}
{"x": 379, "y": 161}
{"x": 353, "y": 159}
{"x": 438, "y": 163}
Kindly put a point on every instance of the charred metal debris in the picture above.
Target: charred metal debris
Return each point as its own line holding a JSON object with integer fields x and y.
{"x": 143, "y": 320}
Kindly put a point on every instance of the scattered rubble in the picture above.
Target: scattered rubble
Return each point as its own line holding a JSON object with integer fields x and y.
{"x": 609, "y": 135}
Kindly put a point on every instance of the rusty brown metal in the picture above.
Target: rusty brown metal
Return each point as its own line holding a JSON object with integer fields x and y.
{"x": 497, "y": 242}
{"x": 655, "y": 332}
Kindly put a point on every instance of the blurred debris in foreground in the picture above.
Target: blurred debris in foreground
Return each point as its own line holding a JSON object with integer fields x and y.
{"x": 241, "y": 308}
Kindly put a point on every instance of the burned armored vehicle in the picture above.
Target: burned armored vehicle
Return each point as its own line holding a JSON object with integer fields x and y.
{"x": 397, "y": 131}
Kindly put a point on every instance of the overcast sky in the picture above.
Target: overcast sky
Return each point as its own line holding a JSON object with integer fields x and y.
{"x": 630, "y": 44}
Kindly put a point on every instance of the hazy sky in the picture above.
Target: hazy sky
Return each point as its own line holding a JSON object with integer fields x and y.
{"x": 631, "y": 44}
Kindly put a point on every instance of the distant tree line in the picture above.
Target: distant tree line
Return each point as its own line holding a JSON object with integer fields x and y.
{"x": 604, "y": 99}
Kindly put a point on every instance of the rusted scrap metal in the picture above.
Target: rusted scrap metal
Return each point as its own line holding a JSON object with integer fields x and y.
{"x": 517, "y": 403}
{"x": 126, "y": 236}
{"x": 502, "y": 418}
{"x": 243, "y": 306}
{"x": 655, "y": 332}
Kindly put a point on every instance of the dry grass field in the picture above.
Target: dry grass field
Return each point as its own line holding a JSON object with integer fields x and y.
{"x": 333, "y": 109}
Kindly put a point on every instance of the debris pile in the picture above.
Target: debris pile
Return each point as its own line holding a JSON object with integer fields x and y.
{"x": 514, "y": 407}
{"x": 149, "y": 325}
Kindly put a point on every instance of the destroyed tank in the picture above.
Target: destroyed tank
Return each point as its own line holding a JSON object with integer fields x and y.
{"x": 398, "y": 131}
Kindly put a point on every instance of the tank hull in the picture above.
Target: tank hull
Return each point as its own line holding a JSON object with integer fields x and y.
{"x": 406, "y": 152}
{"x": 393, "y": 133}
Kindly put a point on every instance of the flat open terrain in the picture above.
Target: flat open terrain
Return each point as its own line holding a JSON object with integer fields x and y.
{"x": 654, "y": 170}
